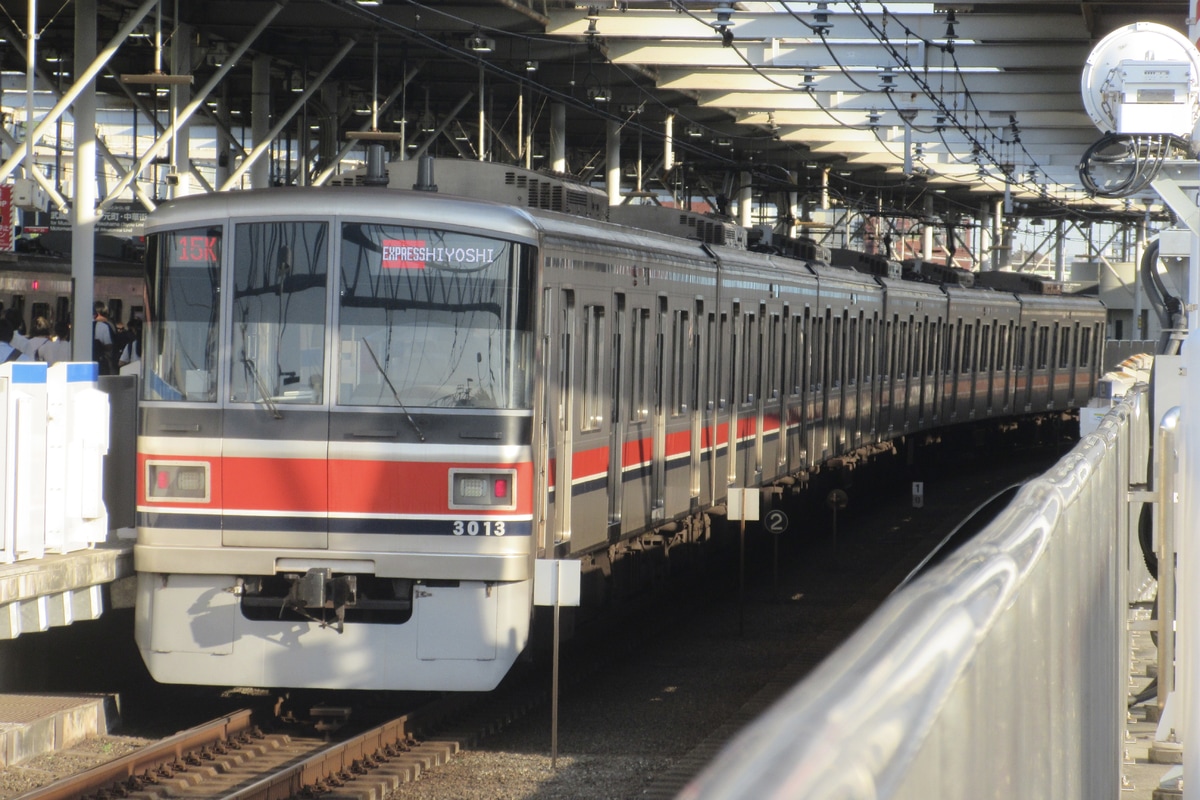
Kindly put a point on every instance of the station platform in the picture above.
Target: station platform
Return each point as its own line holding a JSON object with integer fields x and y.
{"x": 33, "y": 724}
{"x": 1147, "y": 764}
{"x": 60, "y": 589}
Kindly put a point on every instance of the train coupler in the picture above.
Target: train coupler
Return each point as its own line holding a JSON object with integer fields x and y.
{"x": 319, "y": 589}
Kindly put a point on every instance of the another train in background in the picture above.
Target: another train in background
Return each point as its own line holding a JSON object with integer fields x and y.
{"x": 367, "y": 412}
{"x": 37, "y": 280}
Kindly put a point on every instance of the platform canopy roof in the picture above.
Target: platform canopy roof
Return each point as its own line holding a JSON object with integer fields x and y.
{"x": 886, "y": 103}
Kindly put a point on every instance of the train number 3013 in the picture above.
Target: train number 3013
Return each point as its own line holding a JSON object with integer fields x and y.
{"x": 475, "y": 527}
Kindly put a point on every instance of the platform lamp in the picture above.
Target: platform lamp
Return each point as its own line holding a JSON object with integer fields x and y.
{"x": 157, "y": 77}
{"x": 376, "y": 172}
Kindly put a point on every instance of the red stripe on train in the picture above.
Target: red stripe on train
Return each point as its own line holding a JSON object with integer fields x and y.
{"x": 349, "y": 486}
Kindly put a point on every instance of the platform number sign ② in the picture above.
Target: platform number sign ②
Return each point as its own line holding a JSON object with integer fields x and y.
{"x": 775, "y": 521}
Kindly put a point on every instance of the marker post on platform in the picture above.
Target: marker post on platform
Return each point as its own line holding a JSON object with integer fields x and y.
{"x": 776, "y": 522}
{"x": 555, "y": 583}
{"x": 743, "y": 505}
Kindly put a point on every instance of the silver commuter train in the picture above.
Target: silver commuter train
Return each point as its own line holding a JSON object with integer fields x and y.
{"x": 367, "y": 411}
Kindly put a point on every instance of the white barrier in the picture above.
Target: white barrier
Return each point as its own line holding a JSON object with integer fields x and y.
{"x": 1000, "y": 673}
{"x": 54, "y": 426}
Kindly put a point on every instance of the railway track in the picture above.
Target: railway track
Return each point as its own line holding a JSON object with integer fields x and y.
{"x": 231, "y": 757}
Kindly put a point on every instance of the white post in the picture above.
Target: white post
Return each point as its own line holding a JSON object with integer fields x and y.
{"x": 1188, "y": 572}
{"x": 83, "y": 210}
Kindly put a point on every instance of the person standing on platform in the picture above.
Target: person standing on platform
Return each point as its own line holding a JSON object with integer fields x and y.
{"x": 7, "y": 351}
{"x": 59, "y": 347}
{"x": 104, "y": 337}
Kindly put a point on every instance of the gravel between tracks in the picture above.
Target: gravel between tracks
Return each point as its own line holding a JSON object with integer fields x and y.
{"x": 48, "y": 767}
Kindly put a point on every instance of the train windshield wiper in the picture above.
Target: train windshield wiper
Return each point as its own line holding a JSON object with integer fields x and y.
{"x": 395, "y": 394}
{"x": 263, "y": 395}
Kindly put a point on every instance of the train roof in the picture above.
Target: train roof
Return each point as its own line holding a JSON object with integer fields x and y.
{"x": 423, "y": 208}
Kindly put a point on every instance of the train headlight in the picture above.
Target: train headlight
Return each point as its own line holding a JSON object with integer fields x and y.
{"x": 492, "y": 489}
{"x": 181, "y": 481}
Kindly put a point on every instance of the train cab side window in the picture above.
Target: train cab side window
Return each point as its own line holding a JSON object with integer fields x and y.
{"x": 280, "y": 272}
{"x": 183, "y": 281}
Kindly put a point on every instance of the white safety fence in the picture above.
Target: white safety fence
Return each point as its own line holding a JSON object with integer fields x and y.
{"x": 1000, "y": 673}
{"x": 54, "y": 434}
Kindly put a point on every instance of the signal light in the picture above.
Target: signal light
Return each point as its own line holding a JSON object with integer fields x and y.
{"x": 470, "y": 489}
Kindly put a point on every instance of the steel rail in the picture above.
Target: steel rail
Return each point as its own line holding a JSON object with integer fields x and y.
{"x": 147, "y": 760}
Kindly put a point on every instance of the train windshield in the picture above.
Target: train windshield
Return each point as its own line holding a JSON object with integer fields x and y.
{"x": 432, "y": 318}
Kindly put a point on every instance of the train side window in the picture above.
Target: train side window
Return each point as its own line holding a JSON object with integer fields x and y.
{"x": 920, "y": 337}
{"x": 902, "y": 345}
{"x": 1085, "y": 347}
{"x": 772, "y": 367}
{"x": 966, "y": 352}
{"x": 680, "y": 337}
{"x": 951, "y": 360}
{"x": 640, "y": 407}
{"x": 985, "y": 339}
{"x": 852, "y": 352}
{"x": 869, "y": 354}
{"x": 749, "y": 359}
{"x": 1043, "y": 358}
{"x": 618, "y": 362}
{"x": 1064, "y": 348}
{"x": 592, "y": 390}
{"x": 804, "y": 353}
{"x": 834, "y": 352}
{"x": 796, "y": 356}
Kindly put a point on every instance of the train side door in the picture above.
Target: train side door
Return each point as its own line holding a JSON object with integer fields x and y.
{"x": 660, "y": 372}
{"x": 562, "y": 408}
{"x": 590, "y": 435}
{"x": 617, "y": 417}
{"x": 693, "y": 393}
{"x": 275, "y": 450}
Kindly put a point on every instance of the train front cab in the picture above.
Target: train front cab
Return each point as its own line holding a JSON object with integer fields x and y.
{"x": 335, "y": 476}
